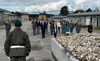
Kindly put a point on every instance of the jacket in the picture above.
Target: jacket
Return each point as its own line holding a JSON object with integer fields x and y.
{"x": 90, "y": 27}
{"x": 55, "y": 28}
{"x": 17, "y": 37}
{"x": 34, "y": 24}
{"x": 38, "y": 24}
{"x": 58, "y": 24}
{"x": 46, "y": 23}
{"x": 8, "y": 26}
{"x": 43, "y": 26}
{"x": 67, "y": 28}
{"x": 78, "y": 27}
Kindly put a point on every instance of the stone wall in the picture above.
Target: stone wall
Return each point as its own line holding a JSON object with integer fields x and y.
{"x": 42, "y": 16}
{"x": 24, "y": 17}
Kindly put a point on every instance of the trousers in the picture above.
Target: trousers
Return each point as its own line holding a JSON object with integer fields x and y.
{"x": 7, "y": 32}
{"x": 43, "y": 33}
{"x": 55, "y": 34}
{"x": 34, "y": 31}
{"x": 38, "y": 30}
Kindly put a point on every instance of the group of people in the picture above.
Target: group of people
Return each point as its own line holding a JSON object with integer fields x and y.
{"x": 67, "y": 27}
{"x": 37, "y": 25}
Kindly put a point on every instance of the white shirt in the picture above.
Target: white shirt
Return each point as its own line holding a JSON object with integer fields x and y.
{"x": 55, "y": 29}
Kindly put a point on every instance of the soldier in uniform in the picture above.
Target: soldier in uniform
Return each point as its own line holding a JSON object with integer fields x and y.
{"x": 17, "y": 45}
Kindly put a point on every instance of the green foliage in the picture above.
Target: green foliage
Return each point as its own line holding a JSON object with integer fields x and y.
{"x": 64, "y": 11}
{"x": 89, "y": 10}
{"x": 97, "y": 28}
{"x": 77, "y": 11}
{"x": 66, "y": 34}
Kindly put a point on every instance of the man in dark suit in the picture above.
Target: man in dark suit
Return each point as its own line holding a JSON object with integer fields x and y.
{"x": 43, "y": 28}
{"x": 38, "y": 26}
{"x": 46, "y": 22}
{"x": 7, "y": 28}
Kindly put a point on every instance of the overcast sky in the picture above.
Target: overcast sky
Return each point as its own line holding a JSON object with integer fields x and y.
{"x": 50, "y": 6}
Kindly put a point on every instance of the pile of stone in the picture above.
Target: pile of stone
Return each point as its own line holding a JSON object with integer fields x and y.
{"x": 84, "y": 46}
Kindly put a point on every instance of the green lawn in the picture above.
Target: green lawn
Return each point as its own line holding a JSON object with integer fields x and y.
{"x": 97, "y": 28}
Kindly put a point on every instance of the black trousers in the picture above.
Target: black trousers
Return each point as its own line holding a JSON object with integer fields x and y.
{"x": 55, "y": 34}
{"x": 71, "y": 30}
{"x": 43, "y": 33}
{"x": 7, "y": 32}
{"x": 59, "y": 29}
{"x": 17, "y": 58}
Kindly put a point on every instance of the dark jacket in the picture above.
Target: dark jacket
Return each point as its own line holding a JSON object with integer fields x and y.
{"x": 46, "y": 23}
{"x": 78, "y": 27}
{"x": 71, "y": 25}
{"x": 55, "y": 28}
{"x": 38, "y": 24}
{"x": 51, "y": 25}
{"x": 8, "y": 26}
{"x": 34, "y": 24}
{"x": 90, "y": 27}
{"x": 43, "y": 26}
{"x": 17, "y": 37}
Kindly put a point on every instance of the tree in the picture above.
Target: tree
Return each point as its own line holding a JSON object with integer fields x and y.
{"x": 89, "y": 10}
{"x": 77, "y": 11}
{"x": 18, "y": 13}
{"x": 47, "y": 15}
{"x": 64, "y": 11}
{"x": 44, "y": 12}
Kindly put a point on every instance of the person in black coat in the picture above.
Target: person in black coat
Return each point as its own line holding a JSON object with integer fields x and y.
{"x": 90, "y": 28}
{"x": 43, "y": 28}
{"x": 7, "y": 27}
{"x": 55, "y": 28}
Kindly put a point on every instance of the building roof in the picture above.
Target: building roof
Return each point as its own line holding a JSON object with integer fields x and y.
{"x": 58, "y": 17}
{"x": 9, "y": 14}
{"x": 85, "y": 14}
{"x": 4, "y": 10}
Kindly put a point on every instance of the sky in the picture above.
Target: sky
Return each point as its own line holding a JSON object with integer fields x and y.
{"x": 50, "y": 6}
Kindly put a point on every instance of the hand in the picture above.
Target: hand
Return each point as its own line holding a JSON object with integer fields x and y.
{"x": 90, "y": 29}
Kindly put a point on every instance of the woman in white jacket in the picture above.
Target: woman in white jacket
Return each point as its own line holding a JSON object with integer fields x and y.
{"x": 59, "y": 25}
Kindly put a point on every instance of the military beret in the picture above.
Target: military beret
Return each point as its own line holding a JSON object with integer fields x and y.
{"x": 18, "y": 22}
